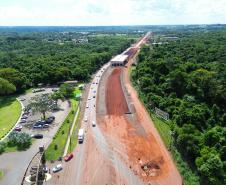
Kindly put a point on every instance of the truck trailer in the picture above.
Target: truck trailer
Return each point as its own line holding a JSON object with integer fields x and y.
{"x": 81, "y": 135}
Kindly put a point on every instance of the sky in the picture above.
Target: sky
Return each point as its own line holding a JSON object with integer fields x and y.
{"x": 110, "y": 12}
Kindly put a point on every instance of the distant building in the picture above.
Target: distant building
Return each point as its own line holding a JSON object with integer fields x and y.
{"x": 72, "y": 82}
{"x": 80, "y": 41}
{"x": 119, "y": 60}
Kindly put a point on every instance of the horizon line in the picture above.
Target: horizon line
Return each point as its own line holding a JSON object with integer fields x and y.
{"x": 112, "y": 25}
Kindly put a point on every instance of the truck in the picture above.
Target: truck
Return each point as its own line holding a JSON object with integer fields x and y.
{"x": 80, "y": 135}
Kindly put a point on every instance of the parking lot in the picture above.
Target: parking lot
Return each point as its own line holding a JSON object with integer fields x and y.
{"x": 8, "y": 160}
{"x": 31, "y": 119}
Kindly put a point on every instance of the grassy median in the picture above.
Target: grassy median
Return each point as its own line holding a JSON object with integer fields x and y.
{"x": 1, "y": 174}
{"x": 56, "y": 148}
{"x": 10, "y": 110}
{"x": 74, "y": 137}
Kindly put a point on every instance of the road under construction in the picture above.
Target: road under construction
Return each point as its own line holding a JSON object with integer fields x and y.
{"x": 124, "y": 147}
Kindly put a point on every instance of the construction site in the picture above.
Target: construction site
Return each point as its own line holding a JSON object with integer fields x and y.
{"x": 124, "y": 148}
{"x": 130, "y": 131}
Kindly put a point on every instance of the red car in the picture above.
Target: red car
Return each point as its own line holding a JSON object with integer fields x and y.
{"x": 68, "y": 157}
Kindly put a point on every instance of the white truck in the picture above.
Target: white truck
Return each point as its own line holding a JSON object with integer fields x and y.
{"x": 81, "y": 135}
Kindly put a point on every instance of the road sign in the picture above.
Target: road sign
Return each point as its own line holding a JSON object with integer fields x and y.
{"x": 161, "y": 113}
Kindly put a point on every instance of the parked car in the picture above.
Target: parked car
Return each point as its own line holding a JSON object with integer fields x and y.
{"x": 57, "y": 168}
{"x": 68, "y": 157}
{"x": 23, "y": 121}
{"x": 40, "y": 122}
{"x": 18, "y": 128}
{"x": 45, "y": 126}
{"x": 37, "y": 136}
{"x": 86, "y": 119}
{"x": 22, "y": 99}
{"x": 24, "y": 116}
{"x": 37, "y": 126}
{"x": 45, "y": 169}
{"x": 50, "y": 119}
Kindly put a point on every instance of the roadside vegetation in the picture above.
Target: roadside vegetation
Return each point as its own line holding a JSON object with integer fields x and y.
{"x": 10, "y": 110}
{"x": 1, "y": 174}
{"x": 16, "y": 141}
{"x": 57, "y": 146}
{"x": 164, "y": 129}
{"x": 186, "y": 78}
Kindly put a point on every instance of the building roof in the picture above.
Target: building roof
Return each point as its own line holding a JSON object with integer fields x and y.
{"x": 71, "y": 82}
{"x": 119, "y": 58}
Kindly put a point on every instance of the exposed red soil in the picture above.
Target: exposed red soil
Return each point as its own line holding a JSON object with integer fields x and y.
{"x": 144, "y": 152}
{"x": 114, "y": 103}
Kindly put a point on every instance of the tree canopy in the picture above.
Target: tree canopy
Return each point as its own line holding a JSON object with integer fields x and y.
{"x": 186, "y": 78}
{"x": 30, "y": 58}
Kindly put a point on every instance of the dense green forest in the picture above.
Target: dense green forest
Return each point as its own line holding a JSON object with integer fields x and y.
{"x": 186, "y": 77}
{"x": 28, "y": 58}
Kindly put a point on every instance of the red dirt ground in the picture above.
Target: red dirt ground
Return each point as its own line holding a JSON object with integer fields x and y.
{"x": 144, "y": 152}
{"x": 115, "y": 105}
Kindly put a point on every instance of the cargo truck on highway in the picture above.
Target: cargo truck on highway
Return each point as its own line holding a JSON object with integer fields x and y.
{"x": 81, "y": 135}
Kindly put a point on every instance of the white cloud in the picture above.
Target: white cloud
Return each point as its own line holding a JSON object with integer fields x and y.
{"x": 111, "y": 12}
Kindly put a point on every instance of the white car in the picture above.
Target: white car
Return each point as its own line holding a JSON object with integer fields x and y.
{"x": 89, "y": 98}
{"x": 57, "y": 168}
{"x": 87, "y": 106}
{"x": 85, "y": 119}
{"x": 93, "y": 123}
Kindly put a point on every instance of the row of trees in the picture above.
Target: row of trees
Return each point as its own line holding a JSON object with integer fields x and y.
{"x": 28, "y": 62}
{"x": 186, "y": 78}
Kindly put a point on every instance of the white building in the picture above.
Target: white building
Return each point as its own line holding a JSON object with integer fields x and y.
{"x": 119, "y": 60}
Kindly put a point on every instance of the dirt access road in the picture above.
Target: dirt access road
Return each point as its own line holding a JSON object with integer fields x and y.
{"x": 123, "y": 149}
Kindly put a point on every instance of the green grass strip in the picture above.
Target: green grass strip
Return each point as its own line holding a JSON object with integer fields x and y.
{"x": 10, "y": 110}
{"x": 56, "y": 148}
{"x": 1, "y": 174}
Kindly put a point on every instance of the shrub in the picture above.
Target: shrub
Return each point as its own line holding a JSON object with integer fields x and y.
{"x": 2, "y": 147}
{"x": 21, "y": 140}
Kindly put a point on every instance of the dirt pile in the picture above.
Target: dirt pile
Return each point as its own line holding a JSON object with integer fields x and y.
{"x": 152, "y": 168}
